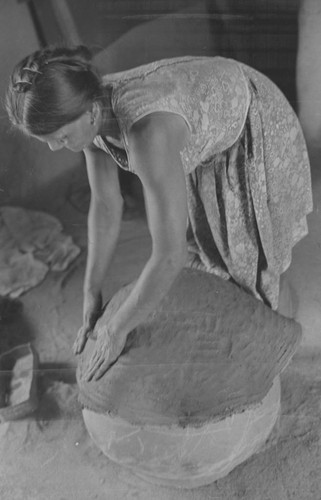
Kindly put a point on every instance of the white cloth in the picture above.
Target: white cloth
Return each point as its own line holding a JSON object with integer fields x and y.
{"x": 31, "y": 244}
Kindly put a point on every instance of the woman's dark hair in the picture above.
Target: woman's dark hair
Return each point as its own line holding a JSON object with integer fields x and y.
{"x": 50, "y": 88}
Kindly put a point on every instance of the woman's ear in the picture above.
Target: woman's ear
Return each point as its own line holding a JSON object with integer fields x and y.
{"x": 95, "y": 111}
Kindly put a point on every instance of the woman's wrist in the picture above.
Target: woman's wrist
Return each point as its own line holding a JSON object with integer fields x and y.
{"x": 91, "y": 289}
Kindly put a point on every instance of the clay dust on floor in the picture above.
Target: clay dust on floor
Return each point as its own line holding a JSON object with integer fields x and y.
{"x": 49, "y": 455}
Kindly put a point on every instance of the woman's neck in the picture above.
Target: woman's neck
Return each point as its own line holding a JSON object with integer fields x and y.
{"x": 109, "y": 125}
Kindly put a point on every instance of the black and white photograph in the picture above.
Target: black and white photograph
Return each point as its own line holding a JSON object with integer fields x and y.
{"x": 160, "y": 250}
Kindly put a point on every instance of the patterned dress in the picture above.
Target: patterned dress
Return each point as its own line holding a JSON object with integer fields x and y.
{"x": 246, "y": 164}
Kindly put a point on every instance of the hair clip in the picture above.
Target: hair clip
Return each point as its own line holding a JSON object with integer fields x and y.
{"x": 32, "y": 70}
{"x": 21, "y": 86}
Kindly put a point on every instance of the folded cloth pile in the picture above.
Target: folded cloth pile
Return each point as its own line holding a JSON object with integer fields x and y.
{"x": 31, "y": 244}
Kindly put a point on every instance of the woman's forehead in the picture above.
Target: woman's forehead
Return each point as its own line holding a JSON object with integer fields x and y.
{"x": 53, "y": 135}
{"x": 65, "y": 129}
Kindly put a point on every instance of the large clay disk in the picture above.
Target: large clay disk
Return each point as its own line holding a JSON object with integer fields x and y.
{"x": 189, "y": 457}
{"x": 209, "y": 351}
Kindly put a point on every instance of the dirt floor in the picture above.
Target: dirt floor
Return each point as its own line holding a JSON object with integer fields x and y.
{"x": 49, "y": 455}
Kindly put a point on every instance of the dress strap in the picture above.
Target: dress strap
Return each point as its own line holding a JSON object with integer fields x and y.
{"x": 118, "y": 154}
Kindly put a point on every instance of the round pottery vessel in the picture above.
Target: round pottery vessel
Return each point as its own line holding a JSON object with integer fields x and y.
{"x": 196, "y": 389}
{"x": 186, "y": 457}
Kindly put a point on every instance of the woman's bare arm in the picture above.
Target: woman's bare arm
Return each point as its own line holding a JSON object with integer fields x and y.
{"x": 104, "y": 222}
{"x": 155, "y": 143}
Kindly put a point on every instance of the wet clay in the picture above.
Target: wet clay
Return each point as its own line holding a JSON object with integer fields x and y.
{"x": 208, "y": 351}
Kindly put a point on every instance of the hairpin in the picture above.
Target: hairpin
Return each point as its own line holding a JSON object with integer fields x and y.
{"x": 32, "y": 70}
{"x": 21, "y": 86}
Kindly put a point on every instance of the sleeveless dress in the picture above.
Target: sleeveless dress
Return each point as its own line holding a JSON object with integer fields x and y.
{"x": 246, "y": 165}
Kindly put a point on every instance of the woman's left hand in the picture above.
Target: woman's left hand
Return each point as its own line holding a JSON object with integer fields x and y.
{"x": 107, "y": 349}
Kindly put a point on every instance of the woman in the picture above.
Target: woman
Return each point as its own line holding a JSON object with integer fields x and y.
{"x": 220, "y": 155}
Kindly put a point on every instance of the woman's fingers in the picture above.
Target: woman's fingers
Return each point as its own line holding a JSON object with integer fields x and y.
{"x": 97, "y": 369}
{"x": 98, "y": 365}
{"x": 106, "y": 353}
{"x": 81, "y": 339}
{"x": 86, "y": 331}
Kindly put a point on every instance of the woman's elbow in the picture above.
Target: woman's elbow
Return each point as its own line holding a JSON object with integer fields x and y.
{"x": 111, "y": 208}
{"x": 176, "y": 259}
{"x": 183, "y": 257}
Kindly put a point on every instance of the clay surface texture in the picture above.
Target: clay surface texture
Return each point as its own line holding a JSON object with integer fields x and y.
{"x": 210, "y": 350}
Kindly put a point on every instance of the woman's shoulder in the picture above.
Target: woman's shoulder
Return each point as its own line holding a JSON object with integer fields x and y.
{"x": 177, "y": 77}
{"x": 168, "y": 64}
{"x": 155, "y": 87}
{"x": 187, "y": 86}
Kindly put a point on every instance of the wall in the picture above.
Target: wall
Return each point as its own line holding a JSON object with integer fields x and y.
{"x": 187, "y": 32}
{"x": 28, "y": 170}
{"x": 309, "y": 72}
{"x": 33, "y": 175}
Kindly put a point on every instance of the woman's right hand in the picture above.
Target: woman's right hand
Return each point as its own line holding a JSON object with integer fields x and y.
{"x": 92, "y": 311}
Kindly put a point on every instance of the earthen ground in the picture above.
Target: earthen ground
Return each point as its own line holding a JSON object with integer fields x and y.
{"x": 49, "y": 455}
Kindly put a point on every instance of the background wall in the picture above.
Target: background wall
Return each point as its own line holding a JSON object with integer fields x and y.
{"x": 28, "y": 170}
{"x": 30, "y": 174}
{"x": 125, "y": 33}
{"x": 309, "y": 72}
{"x": 185, "y": 32}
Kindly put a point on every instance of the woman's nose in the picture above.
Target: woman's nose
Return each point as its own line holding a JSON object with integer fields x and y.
{"x": 55, "y": 145}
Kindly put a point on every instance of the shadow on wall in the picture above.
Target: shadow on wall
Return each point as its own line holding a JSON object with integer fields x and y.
{"x": 261, "y": 35}
{"x": 29, "y": 172}
{"x": 309, "y": 75}
{"x": 37, "y": 178}
{"x": 187, "y": 32}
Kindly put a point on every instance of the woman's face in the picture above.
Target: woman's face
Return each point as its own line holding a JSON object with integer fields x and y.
{"x": 74, "y": 136}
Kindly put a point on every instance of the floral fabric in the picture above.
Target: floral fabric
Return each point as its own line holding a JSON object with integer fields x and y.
{"x": 211, "y": 94}
{"x": 246, "y": 164}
